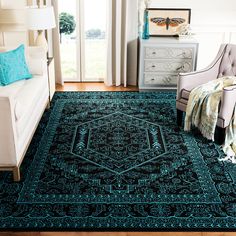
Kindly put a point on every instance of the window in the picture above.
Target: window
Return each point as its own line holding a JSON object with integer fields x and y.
{"x": 83, "y": 51}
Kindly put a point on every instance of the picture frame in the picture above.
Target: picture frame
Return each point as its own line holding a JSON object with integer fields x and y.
{"x": 166, "y": 21}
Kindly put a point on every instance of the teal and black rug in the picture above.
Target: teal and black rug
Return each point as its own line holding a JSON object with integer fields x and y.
{"x": 118, "y": 162}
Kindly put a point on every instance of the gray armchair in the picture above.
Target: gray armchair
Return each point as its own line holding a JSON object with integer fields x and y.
{"x": 223, "y": 65}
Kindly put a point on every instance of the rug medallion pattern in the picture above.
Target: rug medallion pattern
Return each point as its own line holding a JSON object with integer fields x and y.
{"x": 117, "y": 161}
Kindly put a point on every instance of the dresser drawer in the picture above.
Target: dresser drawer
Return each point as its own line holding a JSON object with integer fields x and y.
{"x": 160, "y": 79}
{"x": 168, "y": 66}
{"x": 161, "y": 59}
{"x": 168, "y": 53}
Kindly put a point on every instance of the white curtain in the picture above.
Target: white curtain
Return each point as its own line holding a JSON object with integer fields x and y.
{"x": 56, "y": 46}
{"x": 122, "y": 36}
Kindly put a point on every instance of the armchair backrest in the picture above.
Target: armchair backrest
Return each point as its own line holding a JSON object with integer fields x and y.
{"x": 228, "y": 62}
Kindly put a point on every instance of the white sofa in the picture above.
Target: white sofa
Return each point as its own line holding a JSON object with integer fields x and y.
{"x": 21, "y": 107}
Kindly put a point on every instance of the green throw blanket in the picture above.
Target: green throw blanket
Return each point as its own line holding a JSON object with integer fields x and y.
{"x": 202, "y": 111}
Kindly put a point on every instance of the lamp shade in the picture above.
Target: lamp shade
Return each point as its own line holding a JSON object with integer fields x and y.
{"x": 41, "y": 18}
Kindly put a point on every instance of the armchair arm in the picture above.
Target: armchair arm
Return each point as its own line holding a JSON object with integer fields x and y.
{"x": 228, "y": 102}
{"x": 191, "y": 80}
{"x": 8, "y": 148}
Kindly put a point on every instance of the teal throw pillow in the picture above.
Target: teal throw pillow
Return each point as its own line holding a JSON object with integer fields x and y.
{"x": 13, "y": 66}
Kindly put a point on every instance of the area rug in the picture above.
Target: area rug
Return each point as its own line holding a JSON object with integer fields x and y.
{"x": 117, "y": 161}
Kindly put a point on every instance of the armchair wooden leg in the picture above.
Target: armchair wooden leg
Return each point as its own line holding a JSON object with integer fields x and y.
{"x": 220, "y": 135}
{"x": 16, "y": 174}
{"x": 179, "y": 117}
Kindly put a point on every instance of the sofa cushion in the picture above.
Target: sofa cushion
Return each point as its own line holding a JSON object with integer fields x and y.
{"x": 34, "y": 60}
{"x": 26, "y": 100}
{"x": 12, "y": 89}
{"x": 27, "y": 95}
{"x": 24, "y": 94}
{"x": 13, "y": 66}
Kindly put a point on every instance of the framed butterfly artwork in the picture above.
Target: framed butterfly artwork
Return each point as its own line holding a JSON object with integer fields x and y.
{"x": 167, "y": 21}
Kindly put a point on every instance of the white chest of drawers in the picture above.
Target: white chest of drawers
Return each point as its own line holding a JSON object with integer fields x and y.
{"x": 162, "y": 59}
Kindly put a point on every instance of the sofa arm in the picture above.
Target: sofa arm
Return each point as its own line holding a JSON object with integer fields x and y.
{"x": 189, "y": 81}
{"x": 228, "y": 102}
{"x": 8, "y": 148}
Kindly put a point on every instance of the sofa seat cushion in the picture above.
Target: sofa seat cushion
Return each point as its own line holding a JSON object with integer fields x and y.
{"x": 24, "y": 93}
{"x": 26, "y": 100}
{"x": 11, "y": 90}
{"x": 28, "y": 95}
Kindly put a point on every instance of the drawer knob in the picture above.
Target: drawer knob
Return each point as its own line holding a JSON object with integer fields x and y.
{"x": 154, "y": 53}
{"x": 180, "y": 68}
{"x": 184, "y": 54}
{"x": 153, "y": 66}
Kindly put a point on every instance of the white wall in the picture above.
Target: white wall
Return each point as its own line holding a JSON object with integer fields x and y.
{"x": 213, "y": 21}
{"x": 12, "y": 23}
{"x": 13, "y": 30}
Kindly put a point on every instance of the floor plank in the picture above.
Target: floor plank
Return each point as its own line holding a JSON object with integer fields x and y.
{"x": 93, "y": 87}
{"x": 219, "y": 234}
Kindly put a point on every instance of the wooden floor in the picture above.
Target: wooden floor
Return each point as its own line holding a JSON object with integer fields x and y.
{"x": 93, "y": 87}
{"x": 102, "y": 87}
